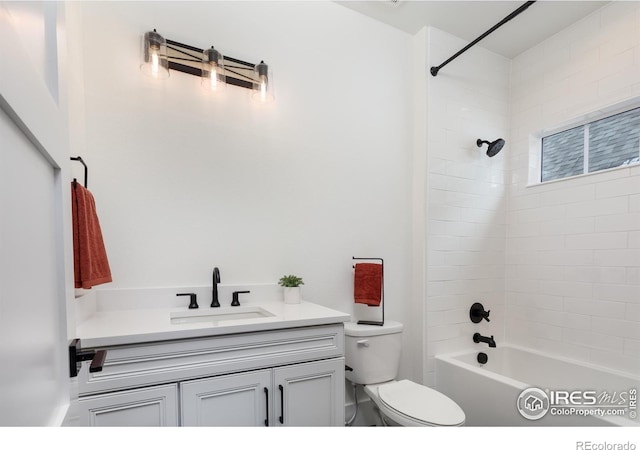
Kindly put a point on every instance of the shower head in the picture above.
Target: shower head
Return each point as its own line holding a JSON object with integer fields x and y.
{"x": 494, "y": 147}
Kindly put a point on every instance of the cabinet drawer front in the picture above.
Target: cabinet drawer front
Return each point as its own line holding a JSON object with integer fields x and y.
{"x": 138, "y": 365}
{"x": 146, "y": 407}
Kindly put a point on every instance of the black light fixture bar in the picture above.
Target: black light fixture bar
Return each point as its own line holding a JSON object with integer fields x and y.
{"x": 435, "y": 69}
{"x": 194, "y": 55}
{"x": 178, "y": 46}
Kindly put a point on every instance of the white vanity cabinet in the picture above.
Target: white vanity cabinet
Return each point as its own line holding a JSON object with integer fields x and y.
{"x": 288, "y": 377}
{"x": 307, "y": 394}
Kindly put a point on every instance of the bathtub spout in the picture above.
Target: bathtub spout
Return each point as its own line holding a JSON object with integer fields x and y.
{"x": 477, "y": 337}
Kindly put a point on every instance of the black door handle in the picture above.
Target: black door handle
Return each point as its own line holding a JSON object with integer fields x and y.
{"x": 281, "y": 418}
{"x": 266, "y": 393}
{"x": 77, "y": 355}
{"x": 98, "y": 361}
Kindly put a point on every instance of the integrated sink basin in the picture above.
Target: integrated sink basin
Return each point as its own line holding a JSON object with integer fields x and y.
{"x": 215, "y": 316}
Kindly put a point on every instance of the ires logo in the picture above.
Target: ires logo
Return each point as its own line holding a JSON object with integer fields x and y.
{"x": 580, "y": 398}
{"x": 534, "y": 403}
{"x": 588, "y": 398}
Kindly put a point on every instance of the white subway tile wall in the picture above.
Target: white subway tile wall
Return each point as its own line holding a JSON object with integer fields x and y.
{"x": 466, "y": 196}
{"x": 573, "y": 246}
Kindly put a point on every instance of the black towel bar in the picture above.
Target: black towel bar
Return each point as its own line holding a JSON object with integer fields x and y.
{"x": 86, "y": 169}
{"x": 374, "y": 322}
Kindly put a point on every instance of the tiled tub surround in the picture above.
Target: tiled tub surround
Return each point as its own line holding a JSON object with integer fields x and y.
{"x": 573, "y": 246}
{"x": 466, "y": 192}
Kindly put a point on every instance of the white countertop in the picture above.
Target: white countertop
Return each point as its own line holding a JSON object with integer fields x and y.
{"x": 108, "y": 327}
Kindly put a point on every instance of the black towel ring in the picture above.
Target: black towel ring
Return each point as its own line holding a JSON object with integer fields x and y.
{"x": 86, "y": 170}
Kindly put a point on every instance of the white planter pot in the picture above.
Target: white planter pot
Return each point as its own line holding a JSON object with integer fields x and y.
{"x": 292, "y": 295}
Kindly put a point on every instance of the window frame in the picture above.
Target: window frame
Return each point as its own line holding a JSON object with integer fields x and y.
{"x": 585, "y": 121}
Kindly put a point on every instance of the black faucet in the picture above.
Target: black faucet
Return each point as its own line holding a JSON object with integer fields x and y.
{"x": 477, "y": 337}
{"x": 235, "y": 301}
{"x": 214, "y": 294}
{"x": 193, "y": 304}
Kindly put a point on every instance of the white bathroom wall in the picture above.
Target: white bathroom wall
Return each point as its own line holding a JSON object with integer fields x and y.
{"x": 573, "y": 247}
{"x": 466, "y": 195}
{"x": 185, "y": 181}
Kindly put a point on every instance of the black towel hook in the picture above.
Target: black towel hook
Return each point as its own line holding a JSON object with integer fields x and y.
{"x": 86, "y": 169}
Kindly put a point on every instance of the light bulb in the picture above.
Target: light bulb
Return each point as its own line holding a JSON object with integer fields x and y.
{"x": 263, "y": 87}
{"x": 214, "y": 78}
{"x": 155, "y": 63}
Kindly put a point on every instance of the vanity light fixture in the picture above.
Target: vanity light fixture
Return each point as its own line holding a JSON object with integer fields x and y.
{"x": 154, "y": 55}
{"x": 263, "y": 88}
{"x": 160, "y": 55}
{"x": 213, "y": 77}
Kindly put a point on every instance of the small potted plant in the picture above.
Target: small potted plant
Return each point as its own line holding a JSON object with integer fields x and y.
{"x": 291, "y": 285}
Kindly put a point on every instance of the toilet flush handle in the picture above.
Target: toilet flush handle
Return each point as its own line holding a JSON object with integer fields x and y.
{"x": 363, "y": 342}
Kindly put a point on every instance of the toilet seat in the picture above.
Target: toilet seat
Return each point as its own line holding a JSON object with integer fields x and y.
{"x": 411, "y": 404}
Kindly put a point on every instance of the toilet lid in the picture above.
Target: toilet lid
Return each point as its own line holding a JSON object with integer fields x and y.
{"x": 421, "y": 403}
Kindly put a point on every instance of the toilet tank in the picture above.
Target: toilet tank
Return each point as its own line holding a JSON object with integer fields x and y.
{"x": 373, "y": 352}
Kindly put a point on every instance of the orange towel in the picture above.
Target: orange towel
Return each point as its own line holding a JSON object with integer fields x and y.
{"x": 367, "y": 284}
{"x": 90, "y": 263}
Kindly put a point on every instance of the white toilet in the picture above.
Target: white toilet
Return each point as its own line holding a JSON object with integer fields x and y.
{"x": 373, "y": 352}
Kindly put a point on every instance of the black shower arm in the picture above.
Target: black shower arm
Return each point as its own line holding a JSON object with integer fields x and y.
{"x": 434, "y": 70}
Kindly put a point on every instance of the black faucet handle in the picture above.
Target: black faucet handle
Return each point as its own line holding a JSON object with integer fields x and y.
{"x": 477, "y": 313}
{"x": 235, "y": 301}
{"x": 193, "y": 304}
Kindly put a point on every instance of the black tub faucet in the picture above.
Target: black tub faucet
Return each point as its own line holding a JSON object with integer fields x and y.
{"x": 477, "y": 337}
{"x": 214, "y": 293}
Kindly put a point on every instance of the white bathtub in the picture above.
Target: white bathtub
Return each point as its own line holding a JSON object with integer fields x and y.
{"x": 489, "y": 393}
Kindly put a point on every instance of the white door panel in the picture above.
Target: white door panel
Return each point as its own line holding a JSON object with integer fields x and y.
{"x": 29, "y": 303}
{"x": 34, "y": 220}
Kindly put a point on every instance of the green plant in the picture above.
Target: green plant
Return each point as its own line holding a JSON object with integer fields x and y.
{"x": 290, "y": 281}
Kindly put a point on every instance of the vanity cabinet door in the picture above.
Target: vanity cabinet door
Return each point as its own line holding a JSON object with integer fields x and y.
{"x": 145, "y": 407}
{"x": 241, "y": 399}
{"x": 309, "y": 394}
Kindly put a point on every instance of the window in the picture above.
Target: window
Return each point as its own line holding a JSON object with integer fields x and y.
{"x": 613, "y": 141}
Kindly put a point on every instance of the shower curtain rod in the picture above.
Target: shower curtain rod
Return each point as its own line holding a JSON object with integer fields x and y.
{"x": 434, "y": 70}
